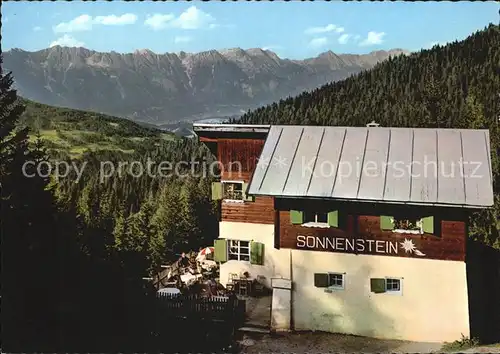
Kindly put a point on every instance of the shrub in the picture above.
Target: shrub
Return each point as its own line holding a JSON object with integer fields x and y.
{"x": 460, "y": 344}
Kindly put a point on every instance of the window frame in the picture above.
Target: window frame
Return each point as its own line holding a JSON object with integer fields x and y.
{"x": 336, "y": 287}
{"x": 316, "y": 223}
{"x": 394, "y": 292}
{"x": 242, "y": 183}
{"x": 239, "y": 254}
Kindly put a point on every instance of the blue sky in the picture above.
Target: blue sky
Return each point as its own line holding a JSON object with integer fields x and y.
{"x": 291, "y": 29}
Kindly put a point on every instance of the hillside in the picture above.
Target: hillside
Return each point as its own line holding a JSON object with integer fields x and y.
{"x": 425, "y": 88}
{"x": 457, "y": 85}
{"x": 173, "y": 87}
{"x": 73, "y": 132}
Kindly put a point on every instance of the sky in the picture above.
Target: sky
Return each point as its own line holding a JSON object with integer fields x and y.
{"x": 293, "y": 30}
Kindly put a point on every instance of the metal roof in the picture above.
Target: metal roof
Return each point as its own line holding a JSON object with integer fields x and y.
{"x": 442, "y": 167}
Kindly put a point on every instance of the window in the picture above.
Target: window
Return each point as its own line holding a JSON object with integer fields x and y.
{"x": 386, "y": 285}
{"x": 412, "y": 225}
{"x": 232, "y": 191}
{"x": 315, "y": 217}
{"x": 392, "y": 284}
{"x": 238, "y": 250}
{"x": 336, "y": 280}
{"x": 408, "y": 225}
{"x": 329, "y": 281}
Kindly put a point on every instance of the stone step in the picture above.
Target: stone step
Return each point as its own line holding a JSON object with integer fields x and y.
{"x": 254, "y": 329}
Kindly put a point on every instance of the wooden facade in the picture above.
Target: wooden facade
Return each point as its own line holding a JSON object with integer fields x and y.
{"x": 359, "y": 231}
{"x": 239, "y": 155}
{"x": 238, "y": 158}
{"x": 260, "y": 211}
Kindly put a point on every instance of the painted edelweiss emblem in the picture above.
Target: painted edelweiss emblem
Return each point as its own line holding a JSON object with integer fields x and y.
{"x": 409, "y": 247}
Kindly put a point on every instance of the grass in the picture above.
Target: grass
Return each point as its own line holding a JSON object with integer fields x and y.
{"x": 74, "y": 132}
{"x": 75, "y": 142}
{"x": 460, "y": 344}
{"x": 169, "y": 136}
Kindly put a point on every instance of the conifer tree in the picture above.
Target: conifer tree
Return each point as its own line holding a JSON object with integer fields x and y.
{"x": 26, "y": 227}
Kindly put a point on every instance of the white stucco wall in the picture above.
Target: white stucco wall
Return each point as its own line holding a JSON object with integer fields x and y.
{"x": 276, "y": 262}
{"x": 433, "y": 305}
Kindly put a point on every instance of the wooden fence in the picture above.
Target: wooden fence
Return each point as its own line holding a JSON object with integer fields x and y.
{"x": 199, "y": 307}
{"x": 209, "y": 322}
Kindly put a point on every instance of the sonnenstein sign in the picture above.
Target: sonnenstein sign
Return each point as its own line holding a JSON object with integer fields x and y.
{"x": 356, "y": 245}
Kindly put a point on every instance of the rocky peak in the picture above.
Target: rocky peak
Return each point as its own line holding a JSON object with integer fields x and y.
{"x": 146, "y": 52}
{"x": 203, "y": 58}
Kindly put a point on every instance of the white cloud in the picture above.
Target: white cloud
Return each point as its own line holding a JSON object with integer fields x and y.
{"x": 357, "y": 37}
{"x": 67, "y": 41}
{"x": 86, "y": 22}
{"x": 191, "y": 19}
{"x": 343, "y": 39}
{"x": 37, "y": 28}
{"x": 373, "y": 38}
{"x": 158, "y": 21}
{"x": 324, "y": 29}
{"x": 81, "y": 23}
{"x": 182, "y": 39}
{"x": 318, "y": 42}
{"x": 113, "y": 20}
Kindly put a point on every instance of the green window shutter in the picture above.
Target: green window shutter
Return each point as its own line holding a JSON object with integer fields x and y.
{"x": 257, "y": 253}
{"x": 246, "y": 197}
{"x": 386, "y": 222}
{"x": 428, "y": 224}
{"x": 216, "y": 190}
{"x": 333, "y": 218}
{"x": 220, "y": 252}
{"x": 377, "y": 285}
{"x": 296, "y": 216}
{"x": 321, "y": 280}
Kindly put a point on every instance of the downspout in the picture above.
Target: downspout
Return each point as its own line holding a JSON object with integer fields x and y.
{"x": 292, "y": 325}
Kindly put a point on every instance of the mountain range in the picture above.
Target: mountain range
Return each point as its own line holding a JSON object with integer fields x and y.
{"x": 174, "y": 87}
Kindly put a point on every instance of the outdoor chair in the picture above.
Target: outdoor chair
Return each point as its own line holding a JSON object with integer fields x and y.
{"x": 243, "y": 285}
{"x": 231, "y": 283}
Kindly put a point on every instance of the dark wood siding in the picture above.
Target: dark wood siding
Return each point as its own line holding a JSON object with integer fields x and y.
{"x": 233, "y": 153}
{"x": 447, "y": 242}
{"x": 261, "y": 211}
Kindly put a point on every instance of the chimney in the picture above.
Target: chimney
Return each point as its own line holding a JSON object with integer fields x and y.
{"x": 373, "y": 124}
